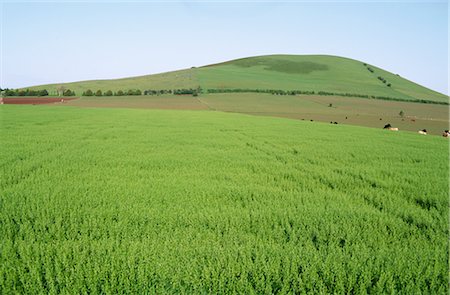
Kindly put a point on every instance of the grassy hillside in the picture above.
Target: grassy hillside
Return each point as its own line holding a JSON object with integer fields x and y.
{"x": 143, "y": 201}
{"x": 170, "y": 80}
{"x": 285, "y": 72}
{"x": 312, "y": 72}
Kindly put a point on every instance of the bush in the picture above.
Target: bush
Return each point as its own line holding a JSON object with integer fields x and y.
{"x": 108, "y": 93}
{"x": 68, "y": 92}
{"x": 88, "y": 93}
{"x": 10, "y": 92}
{"x": 43, "y": 92}
{"x": 98, "y": 93}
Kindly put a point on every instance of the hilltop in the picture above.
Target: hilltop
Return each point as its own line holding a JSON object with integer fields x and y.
{"x": 321, "y": 74}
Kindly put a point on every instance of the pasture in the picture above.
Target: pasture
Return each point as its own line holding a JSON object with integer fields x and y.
{"x": 110, "y": 200}
{"x": 344, "y": 110}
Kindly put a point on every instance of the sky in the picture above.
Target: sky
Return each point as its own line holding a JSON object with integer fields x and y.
{"x": 64, "y": 41}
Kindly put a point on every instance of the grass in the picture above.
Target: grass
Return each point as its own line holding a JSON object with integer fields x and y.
{"x": 311, "y": 72}
{"x": 144, "y": 201}
{"x": 285, "y": 72}
{"x": 174, "y": 102}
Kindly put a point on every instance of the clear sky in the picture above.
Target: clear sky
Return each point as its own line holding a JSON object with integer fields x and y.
{"x": 50, "y": 42}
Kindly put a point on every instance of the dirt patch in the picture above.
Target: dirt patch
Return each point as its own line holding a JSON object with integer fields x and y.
{"x": 34, "y": 100}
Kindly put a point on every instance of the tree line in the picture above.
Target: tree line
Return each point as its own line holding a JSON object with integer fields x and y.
{"x": 31, "y": 92}
{"x": 199, "y": 90}
{"x": 379, "y": 77}
{"x": 99, "y": 92}
{"x": 183, "y": 91}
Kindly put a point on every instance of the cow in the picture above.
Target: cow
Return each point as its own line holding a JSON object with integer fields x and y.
{"x": 446, "y": 133}
{"x": 423, "y": 131}
{"x": 389, "y": 127}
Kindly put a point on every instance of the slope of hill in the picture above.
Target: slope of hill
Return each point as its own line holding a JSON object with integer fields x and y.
{"x": 313, "y": 72}
{"x": 285, "y": 72}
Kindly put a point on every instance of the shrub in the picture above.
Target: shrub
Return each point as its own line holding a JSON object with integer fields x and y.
{"x": 43, "y": 92}
{"x": 68, "y": 92}
{"x": 88, "y": 93}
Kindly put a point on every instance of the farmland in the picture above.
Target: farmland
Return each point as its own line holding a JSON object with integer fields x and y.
{"x": 344, "y": 110}
{"x": 112, "y": 200}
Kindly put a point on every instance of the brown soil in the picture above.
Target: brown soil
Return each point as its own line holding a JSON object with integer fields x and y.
{"x": 35, "y": 100}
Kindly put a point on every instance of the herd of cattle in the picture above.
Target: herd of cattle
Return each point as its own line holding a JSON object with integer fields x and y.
{"x": 446, "y": 133}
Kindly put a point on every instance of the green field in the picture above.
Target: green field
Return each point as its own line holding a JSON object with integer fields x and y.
{"x": 104, "y": 200}
{"x": 285, "y": 72}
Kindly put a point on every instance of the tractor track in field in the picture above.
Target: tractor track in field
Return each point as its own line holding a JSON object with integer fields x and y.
{"x": 205, "y": 104}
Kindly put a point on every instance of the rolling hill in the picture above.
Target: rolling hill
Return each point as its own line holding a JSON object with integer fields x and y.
{"x": 318, "y": 73}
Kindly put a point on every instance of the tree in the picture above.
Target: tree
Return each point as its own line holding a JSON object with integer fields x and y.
{"x": 68, "y": 92}
{"x": 330, "y": 105}
{"x": 98, "y": 93}
{"x": 108, "y": 93}
{"x": 119, "y": 93}
{"x": 43, "y": 92}
{"x": 60, "y": 90}
{"x": 11, "y": 92}
{"x": 401, "y": 114}
{"x": 88, "y": 93}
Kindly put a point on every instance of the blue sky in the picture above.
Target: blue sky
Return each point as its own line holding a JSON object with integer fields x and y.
{"x": 49, "y": 42}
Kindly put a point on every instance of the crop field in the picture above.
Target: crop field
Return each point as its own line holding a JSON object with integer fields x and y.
{"x": 344, "y": 110}
{"x": 35, "y": 100}
{"x": 109, "y": 200}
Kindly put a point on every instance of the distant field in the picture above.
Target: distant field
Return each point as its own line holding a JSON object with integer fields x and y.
{"x": 283, "y": 72}
{"x": 35, "y": 100}
{"x": 344, "y": 110}
{"x": 174, "y": 102}
{"x": 104, "y": 200}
